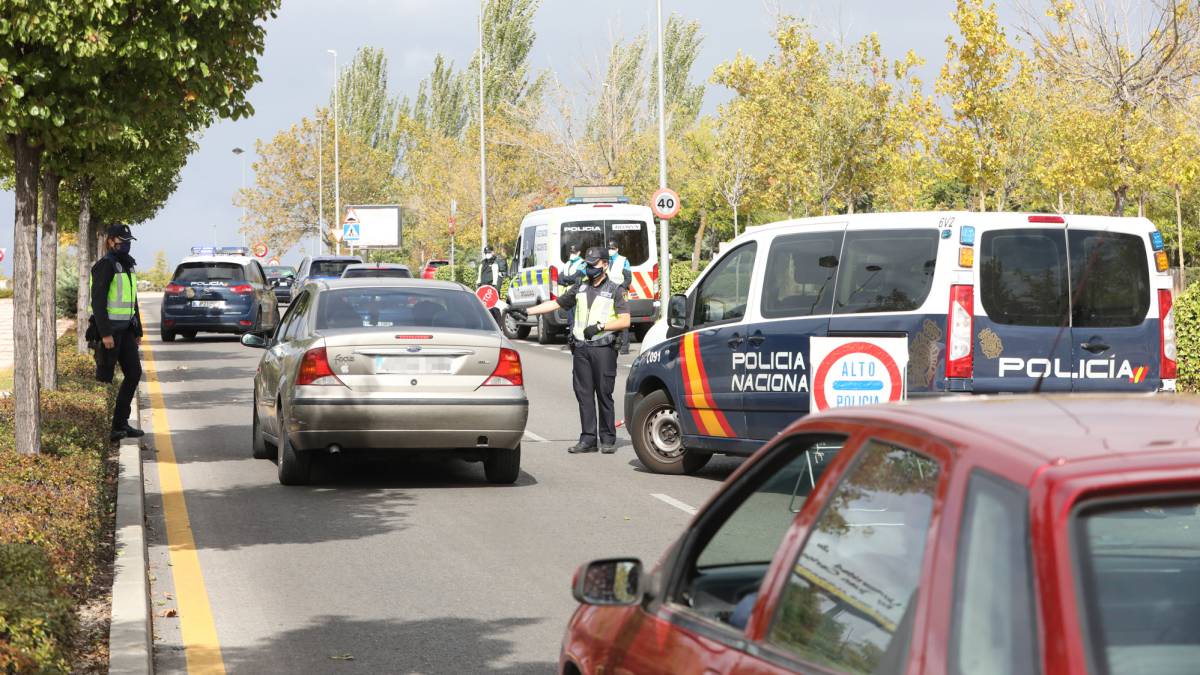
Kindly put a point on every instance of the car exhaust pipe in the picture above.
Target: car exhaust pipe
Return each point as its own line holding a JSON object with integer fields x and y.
{"x": 335, "y": 449}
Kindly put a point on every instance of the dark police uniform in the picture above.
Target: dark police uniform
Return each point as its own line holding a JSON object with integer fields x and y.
{"x": 594, "y": 367}
{"x": 115, "y": 311}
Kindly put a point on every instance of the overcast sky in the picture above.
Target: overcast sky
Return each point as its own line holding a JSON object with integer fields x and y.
{"x": 572, "y": 38}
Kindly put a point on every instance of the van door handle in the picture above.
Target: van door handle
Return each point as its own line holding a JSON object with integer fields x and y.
{"x": 736, "y": 340}
{"x": 1094, "y": 347}
{"x": 757, "y": 339}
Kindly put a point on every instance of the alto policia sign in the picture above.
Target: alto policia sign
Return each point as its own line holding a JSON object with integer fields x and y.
{"x": 852, "y": 371}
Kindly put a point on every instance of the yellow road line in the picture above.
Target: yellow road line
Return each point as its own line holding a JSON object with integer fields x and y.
{"x": 201, "y": 647}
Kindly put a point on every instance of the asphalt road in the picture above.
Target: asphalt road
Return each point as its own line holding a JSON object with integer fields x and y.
{"x": 389, "y": 565}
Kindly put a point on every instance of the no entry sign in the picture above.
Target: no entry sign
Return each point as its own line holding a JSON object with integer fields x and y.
{"x": 260, "y": 250}
{"x": 857, "y": 371}
{"x": 488, "y": 295}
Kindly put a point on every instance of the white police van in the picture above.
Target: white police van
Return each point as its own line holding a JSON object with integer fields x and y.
{"x": 594, "y": 216}
{"x": 985, "y": 302}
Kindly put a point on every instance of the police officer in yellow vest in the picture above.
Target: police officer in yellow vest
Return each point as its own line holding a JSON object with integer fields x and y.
{"x": 601, "y": 310}
{"x": 118, "y": 323}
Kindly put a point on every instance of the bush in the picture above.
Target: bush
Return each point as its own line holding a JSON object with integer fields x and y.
{"x": 1187, "y": 331}
{"x": 36, "y": 618}
{"x": 55, "y": 504}
{"x": 463, "y": 274}
{"x": 6, "y": 293}
{"x": 682, "y": 276}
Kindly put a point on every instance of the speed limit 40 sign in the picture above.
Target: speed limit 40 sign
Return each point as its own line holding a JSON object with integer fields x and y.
{"x": 665, "y": 204}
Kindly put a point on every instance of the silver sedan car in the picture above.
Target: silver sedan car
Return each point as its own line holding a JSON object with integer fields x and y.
{"x": 403, "y": 364}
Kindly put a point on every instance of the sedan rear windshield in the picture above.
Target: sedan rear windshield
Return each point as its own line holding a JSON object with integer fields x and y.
{"x": 401, "y": 308}
{"x": 209, "y": 271}
{"x": 329, "y": 268}
{"x": 384, "y": 273}
{"x": 1137, "y": 561}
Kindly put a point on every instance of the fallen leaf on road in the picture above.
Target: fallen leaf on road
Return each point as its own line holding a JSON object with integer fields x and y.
{"x": 341, "y": 657}
{"x": 626, "y": 517}
{"x": 169, "y": 612}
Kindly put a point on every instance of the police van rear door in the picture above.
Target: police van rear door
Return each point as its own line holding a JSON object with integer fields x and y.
{"x": 1115, "y": 333}
{"x": 774, "y": 374}
{"x": 1022, "y": 318}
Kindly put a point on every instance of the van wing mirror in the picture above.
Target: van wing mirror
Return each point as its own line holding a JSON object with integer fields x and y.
{"x": 677, "y": 312}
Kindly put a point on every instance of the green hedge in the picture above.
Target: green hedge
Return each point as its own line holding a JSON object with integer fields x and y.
{"x": 1187, "y": 331}
{"x": 682, "y": 276}
{"x": 56, "y": 505}
{"x": 463, "y": 274}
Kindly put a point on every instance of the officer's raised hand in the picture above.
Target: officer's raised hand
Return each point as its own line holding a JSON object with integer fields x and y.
{"x": 591, "y": 331}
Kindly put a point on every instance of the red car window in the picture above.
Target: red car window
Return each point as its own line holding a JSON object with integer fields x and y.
{"x": 993, "y": 625}
{"x": 849, "y": 598}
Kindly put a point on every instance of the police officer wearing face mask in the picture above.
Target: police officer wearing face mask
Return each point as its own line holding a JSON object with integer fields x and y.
{"x": 619, "y": 272}
{"x": 492, "y": 270}
{"x": 601, "y": 310}
{"x": 118, "y": 324}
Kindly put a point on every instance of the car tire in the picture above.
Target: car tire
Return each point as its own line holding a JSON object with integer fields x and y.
{"x": 168, "y": 336}
{"x": 188, "y": 335}
{"x": 545, "y": 330}
{"x": 295, "y": 467}
{"x": 512, "y": 331}
{"x": 640, "y": 331}
{"x": 657, "y": 437}
{"x": 503, "y": 466}
{"x": 259, "y": 448}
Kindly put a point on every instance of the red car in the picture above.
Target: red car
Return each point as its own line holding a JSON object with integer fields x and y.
{"x": 431, "y": 266}
{"x": 1004, "y": 535}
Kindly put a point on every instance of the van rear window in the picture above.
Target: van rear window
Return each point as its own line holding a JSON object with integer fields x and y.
{"x": 1023, "y": 276}
{"x": 1110, "y": 278}
{"x": 1136, "y": 562}
{"x": 885, "y": 271}
{"x": 632, "y": 237}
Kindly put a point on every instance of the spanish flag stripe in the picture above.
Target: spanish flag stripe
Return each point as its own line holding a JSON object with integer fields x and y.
{"x": 698, "y": 396}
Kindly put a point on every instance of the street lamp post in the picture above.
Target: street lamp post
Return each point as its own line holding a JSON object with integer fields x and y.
{"x": 482, "y": 150}
{"x": 664, "y": 252}
{"x": 321, "y": 186}
{"x": 337, "y": 176}
{"x": 241, "y": 153}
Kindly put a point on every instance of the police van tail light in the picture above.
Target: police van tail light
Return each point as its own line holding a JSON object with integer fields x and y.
{"x": 960, "y": 329}
{"x": 173, "y": 289}
{"x": 654, "y": 273}
{"x": 553, "y": 282}
{"x": 1166, "y": 335}
{"x": 507, "y": 372}
{"x": 315, "y": 370}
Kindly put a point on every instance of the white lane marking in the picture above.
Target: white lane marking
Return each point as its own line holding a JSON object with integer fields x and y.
{"x": 534, "y": 437}
{"x": 690, "y": 510}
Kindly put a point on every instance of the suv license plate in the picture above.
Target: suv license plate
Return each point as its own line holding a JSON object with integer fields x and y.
{"x": 209, "y": 304}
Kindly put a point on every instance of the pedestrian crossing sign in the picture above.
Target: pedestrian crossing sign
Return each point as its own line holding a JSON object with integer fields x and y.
{"x": 351, "y": 230}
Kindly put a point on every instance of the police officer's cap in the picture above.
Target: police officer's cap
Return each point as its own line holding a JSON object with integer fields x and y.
{"x": 612, "y": 243}
{"x": 487, "y": 249}
{"x": 121, "y": 232}
{"x": 594, "y": 254}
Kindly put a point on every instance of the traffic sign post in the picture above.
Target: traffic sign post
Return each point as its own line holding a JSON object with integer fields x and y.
{"x": 857, "y": 371}
{"x": 260, "y": 250}
{"x": 488, "y": 295}
{"x": 665, "y": 204}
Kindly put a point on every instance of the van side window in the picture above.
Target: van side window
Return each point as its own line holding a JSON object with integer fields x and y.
{"x": 1023, "y": 276}
{"x": 800, "y": 273}
{"x": 885, "y": 271}
{"x": 1110, "y": 278}
{"x": 723, "y": 295}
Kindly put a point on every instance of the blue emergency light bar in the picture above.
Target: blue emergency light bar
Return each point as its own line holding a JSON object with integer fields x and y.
{"x": 1156, "y": 240}
{"x": 204, "y": 250}
{"x": 233, "y": 250}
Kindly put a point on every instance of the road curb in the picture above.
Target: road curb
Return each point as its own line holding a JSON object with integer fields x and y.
{"x": 130, "y": 642}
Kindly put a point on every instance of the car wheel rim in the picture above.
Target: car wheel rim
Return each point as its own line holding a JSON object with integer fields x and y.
{"x": 662, "y": 427}
{"x": 510, "y": 323}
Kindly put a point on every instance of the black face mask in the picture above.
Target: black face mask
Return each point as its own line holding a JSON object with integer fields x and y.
{"x": 594, "y": 272}
{"x": 123, "y": 247}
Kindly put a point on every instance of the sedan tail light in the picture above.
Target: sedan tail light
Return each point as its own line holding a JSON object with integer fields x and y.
{"x": 1169, "y": 367}
{"x": 242, "y": 289}
{"x": 315, "y": 370}
{"x": 507, "y": 372}
{"x": 174, "y": 289}
{"x": 959, "y": 332}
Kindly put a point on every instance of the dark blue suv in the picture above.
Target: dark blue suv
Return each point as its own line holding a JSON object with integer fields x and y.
{"x": 218, "y": 294}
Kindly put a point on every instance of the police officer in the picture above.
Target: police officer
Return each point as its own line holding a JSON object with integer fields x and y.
{"x": 118, "y": 324}
{"x": 619, "y": 272}
{"x": 572, "y": 270}
{"x": 492, "y": 270}
{"x": 601, "y": 310}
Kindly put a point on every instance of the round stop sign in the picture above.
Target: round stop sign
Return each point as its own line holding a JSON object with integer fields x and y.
{"x": 665, "y": 204}
{"x": 2, "y": 253}
{"x": 488, "y": 295}
{"x": 260, "y": 250}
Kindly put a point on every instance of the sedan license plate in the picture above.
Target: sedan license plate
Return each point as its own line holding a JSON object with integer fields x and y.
{"x": 209, "y": 304}
{"x": 413, "y": 365}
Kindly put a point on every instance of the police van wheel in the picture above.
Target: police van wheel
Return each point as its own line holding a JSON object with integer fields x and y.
{"x": 503, "y": 466}
{"x": 294, "y": 467}
{"x": 168, "y": 336}
{"x": 657, "y": 437}
{"x": 545, "y": 330}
